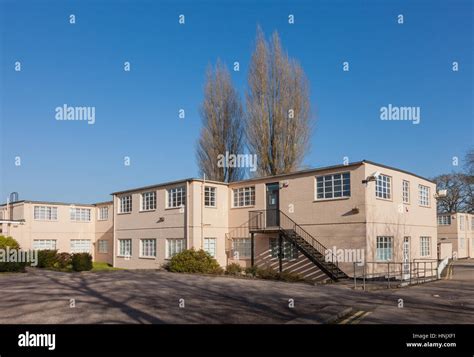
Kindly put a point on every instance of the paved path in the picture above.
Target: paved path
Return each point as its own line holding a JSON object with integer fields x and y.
{"x": 42, "y": 296}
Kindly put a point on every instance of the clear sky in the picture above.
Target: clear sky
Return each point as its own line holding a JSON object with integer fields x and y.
{"x": 137, "y": 111}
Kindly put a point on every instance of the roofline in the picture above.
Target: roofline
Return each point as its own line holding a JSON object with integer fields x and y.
{"x": 50, "y": 203}
{"x": 399, "y": 170}
{"x": 153, "y": 186}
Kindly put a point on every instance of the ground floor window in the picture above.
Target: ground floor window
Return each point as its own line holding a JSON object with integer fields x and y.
{"x": 80, "y": 246}
{"x": 210, "y": 246}
{"x": 44, "y": 244}
{"x": 148, "y": 248}
{"x": 242, "y": 248}
{"x": 384, "y": 251}
{"x": 103, "y": 246}
{"x": 462, "y": 244}
{"x": 125, "y": 247}
{"x": 425, "y": 243}
{"x": 289, "y": 249}
{"x": 173, "y": 247}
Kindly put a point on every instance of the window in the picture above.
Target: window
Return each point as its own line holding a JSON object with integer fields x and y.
{"x": 125, "y": 247}
{"x": 148, "y": 248}
{"x": 383, "y": 187}
{"x": 103, "y": 213}
{"x": 424, "y": 195}
{"x": 244, "y": 196}
{"x": 174, "y": 246}
{"x": 461, "y": 223}
{"x": 80, "y": 214}
{"x": 210, "y": 246}
{"x": 148, "y": 201}
{"x": 333, "y": 186}
{"x": 209, "y": 196}
{"x": 176, "y": 197}
{"x": 80, "y": 246}
{"x": 125, "y": 204}
{"x": 425, "y": 246}
{"x": 43, "y": 244}
{"x": 406, "y": 191}
{"x": 103, "y": 246}
{"x": 472, "y": 224}
{"x": 242, "y": 248}
{"x": 462, "y": 243}
{"x": 444, "y": 220}
{"x": 45, "y": 213}
{"x": 384, "y": 248}
{"x": 289, "y": 249}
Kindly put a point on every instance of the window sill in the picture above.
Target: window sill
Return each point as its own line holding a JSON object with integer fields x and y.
{"x": 148, "y": 258}
{"x": 172, "y": 208}
{"x": 384, "y": 199}
{"x": 330, "y": 199}
{"x": 121, "y": 213}
{"x": 147, "y": 210}
{"x": 243, "y": 207}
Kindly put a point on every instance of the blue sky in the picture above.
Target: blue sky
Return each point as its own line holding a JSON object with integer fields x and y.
{"x": 137, "y": 111}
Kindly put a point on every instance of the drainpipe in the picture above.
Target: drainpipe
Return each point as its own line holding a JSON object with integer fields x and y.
{"x": 202, "y": 211}
{"x": 186, "y": 218}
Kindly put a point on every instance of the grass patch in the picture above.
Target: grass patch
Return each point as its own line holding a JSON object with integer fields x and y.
{"x": 101, "y": 266}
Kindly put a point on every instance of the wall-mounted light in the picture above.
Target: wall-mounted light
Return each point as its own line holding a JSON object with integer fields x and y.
{"x": 161, "y": 219}
{"x": 372, "y": 177}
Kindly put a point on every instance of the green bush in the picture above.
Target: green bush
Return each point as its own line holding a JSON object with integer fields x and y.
{"x": 194, "y": 261}
{"x": 63, "y": 260}
{"x": 290, "y": 277}
{"x": 233, "y": 269}
{"x": 10, "y": 266}
{"x": 47, "y": 258}
{"x": 251, "y": 271}
{"x": 81, "y": 262}
{"x": 267, "y": 273}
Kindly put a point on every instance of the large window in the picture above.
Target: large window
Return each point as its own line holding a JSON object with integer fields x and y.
{"x": 176, "y": 197}
{"x": 148, "y": 201}
{"x": 80, "y": 214}
{"x": 384, "y": 248}
{"x": 244, "y": 196}
{"x": 406, "y": 191}
{"x": 44, "y": 244}
{"x": 461, "y": 223}
{"x": 242, "y": 248}
{"x": 444, "y": 220}
{"x": 209, "y": 196}
{"x": 103, "y": 246}
{"x": 383, "y": 187}
{"x": 333, "y": 186}
{"x": 289, "y": 249}
{"x": 173, "y": 247}
{"x": 462, "y": 243}
{"x": 125, "y": 247}
{"x": 423, "y": 195}
{"x": 210, "y": 246}
{"x": 45, "y": 213}
{"x": 425, "y": 243}
{"x": 125, "y": 204}
{"x": 80, "y": 246}
{"x": 148, "y": 248}
{"x": 103, "y": 213}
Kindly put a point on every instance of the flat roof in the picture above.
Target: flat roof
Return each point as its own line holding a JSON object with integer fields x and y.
{"x": 55, "y": 203}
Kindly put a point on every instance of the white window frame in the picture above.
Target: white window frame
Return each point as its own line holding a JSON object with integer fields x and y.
{"x": 329, "y": 185}
{"x": 103, "y": 214}
{"x": 77, "y": 214}
{"x": 147, "y": 248}
{"x": 80, "y": 242}
{"x": 125, "y": 204}
{"x": 462, "y": 243}
{"x": 243, "y": 197}
{"x": 148, "y": 201}
{"x": 45, "y": 213}
{"x": 384, "y": 248}
{"x": 462, "y": 224}
{"x": 210, "y": 194}
{"x": 174, "y": 246}
{"x": 103, "y": 246}
{"x": 44, "y": 244}
{"x": 243, "y": 246}
{"x": 210, "y": 248}
{"x": 444, "y": 220}
{"x": 423, "y": 195}
{"x": 425, "y": 246}
{"x": 124, "y": 247}
{"x": 383, "y": 187}
{"x": 176, "y": 197}
{"x": 406, "y": 191}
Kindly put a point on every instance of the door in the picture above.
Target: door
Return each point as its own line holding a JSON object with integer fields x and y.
{"x": 406, "y": 258}
{"x": 273, "y": 204}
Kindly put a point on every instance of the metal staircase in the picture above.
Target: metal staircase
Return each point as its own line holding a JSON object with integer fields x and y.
{"x": 267, "y": 221}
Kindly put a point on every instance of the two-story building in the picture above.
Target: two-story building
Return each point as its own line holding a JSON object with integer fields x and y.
{"x": 458, "y": 229}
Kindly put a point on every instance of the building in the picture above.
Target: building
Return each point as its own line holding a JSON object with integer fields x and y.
{"x": 457, "y": 229}
{"x": 383, "y": 213}
{"x": 66, "y": 227}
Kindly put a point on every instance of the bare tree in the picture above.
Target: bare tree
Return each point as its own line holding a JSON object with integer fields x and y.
{"x": 278, "y": 121}
{"x": 457, "y": 196}
{"x": 222, "y": 132}
{"x": 469, "y": 178}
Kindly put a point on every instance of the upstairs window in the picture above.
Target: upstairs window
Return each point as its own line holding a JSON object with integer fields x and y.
{"x": 45, "y": 213}
{"x": 209, "y": 196}
{"x": 148, "y": 201}
{"x": 424, "y": 195}
{"x": 333, "y": 186}
{"x": 383, "y": 187}
{"x": 125, "y": 204}
{"x": 461, "y": 223}
{"x": 80, "y": 214}
{"x": 103, "y": 213}
{"x": 406, "y": 191}
{"x": 444, "y": 220}
{"x": 244, "y": 196}
{"x": 176, "y": 197}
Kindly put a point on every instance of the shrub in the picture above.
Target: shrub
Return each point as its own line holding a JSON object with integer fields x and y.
{"x": 290, "y": 277}
{"x": 194, "y": 261}
{"x": 47, "y": 258}
{"x": 9, "y": 242}
{"x": 233, "y": 269}
{"x": 63, "y": 260}
{"x": 266, "y": 273}
{"x": 251, "y": 271}
{"x": 81, "y": 262}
